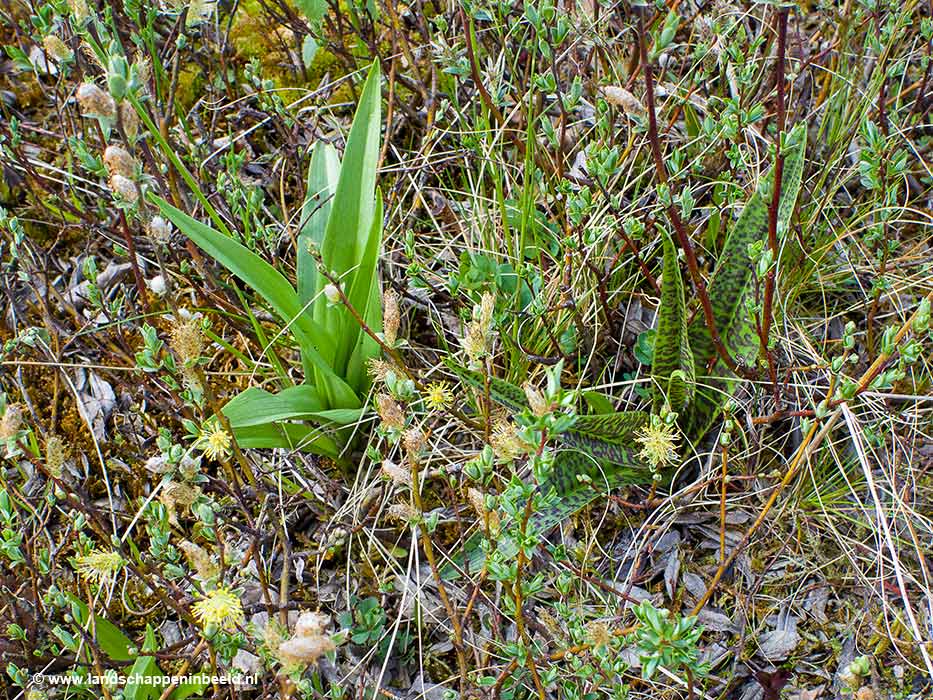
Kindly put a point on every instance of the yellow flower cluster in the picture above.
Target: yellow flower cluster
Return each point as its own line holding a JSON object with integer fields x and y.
{"x": 99, "y": 566}
{"x": 658, "y": 444}
{"x": 221, "y": 608}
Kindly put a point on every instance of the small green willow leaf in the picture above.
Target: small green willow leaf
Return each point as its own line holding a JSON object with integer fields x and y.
{"x": 672, "y": 368}
{"x": 598, "y": 402}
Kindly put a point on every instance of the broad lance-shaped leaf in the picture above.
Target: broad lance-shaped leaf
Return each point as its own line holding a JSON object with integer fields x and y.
{"x": 599, "y": 434}
{"x": 672, "y": 368}
{"x": 116, "y": 645}
{"x": 795, "y": 146}
{"x": 732, "y": 281}
{"x": 261, "y": 419}
{"x": 608, "y": 436}
{"x": 255, "y": 406}
{"x": 347, "y": 247}
{"x": 732, "y": 284}
{"x": 365, "y": 294}
{"x": 322, "y": 184}
{"x": 500, "y": 391}
{"x": 269, "y": 283}
{"x": 292, "y": 436}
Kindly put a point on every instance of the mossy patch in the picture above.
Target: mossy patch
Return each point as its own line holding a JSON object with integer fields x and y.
{"x": 255, "y": 38}
{"x": 190, "y": 85}
{"x": 276, "y": 49}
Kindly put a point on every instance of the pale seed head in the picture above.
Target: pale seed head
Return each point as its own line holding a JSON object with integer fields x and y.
{"x": 390, "y": 412}
{"x": 539, "y": 405}
{"x": 56, "y": 49}
{"x": 396, "y": 474}
{"x": 11, "y": 422}
{"x": 187, "y": 339}
{"x": 309, "y": 642}
{"x": 130, "y": 119}
{"x": 199, "y": 560}
{"x": 55, "y": 455}
{"x": 79, "y": 10}
{"x": 391, "y": 317}
{"x": 476, "y": 499}
{"x": 378, "y": 369}
{"x": 95, "y": 102}
{"x": 124, "y": 188}
{"x": 599, "y": 634}
{"x": 505, "y": 441}
{"x": 622, "y": 98}
{"x": 402, "y": 512}
{"x": 478, "y": 335}
{"x": 119, "y": 161}
{"x": 160, "y": 230}
{"x": 413, "y": 441}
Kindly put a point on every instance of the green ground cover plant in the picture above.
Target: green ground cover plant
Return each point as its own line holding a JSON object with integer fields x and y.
{"x": 470, "y": 349}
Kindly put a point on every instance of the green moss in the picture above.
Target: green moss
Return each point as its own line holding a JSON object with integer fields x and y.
{"x": 190, "y": 85}
{"x": 248, "y": 34}
{"x": 254, "y": 38}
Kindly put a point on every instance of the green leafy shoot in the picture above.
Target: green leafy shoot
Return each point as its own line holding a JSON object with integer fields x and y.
{"x": 341, "y": 230}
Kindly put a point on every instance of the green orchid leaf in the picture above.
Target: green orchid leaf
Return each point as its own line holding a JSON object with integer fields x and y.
{"x": 732, "y": 286}
{"x": 366, "y": 297}
{"x": 347, "y": 248}
{"x": 290, "y": 436}
{"x": 500, "y": 391}
{"x": 672, "y": 362}
{"x": 255, "y": 406}
{"x": 270, "y": 284}
{"x": 597, "y": 454}
{"x": 578, "y": 480}
{"x": 259, "y": 418}
{"x": 315, "y": 211}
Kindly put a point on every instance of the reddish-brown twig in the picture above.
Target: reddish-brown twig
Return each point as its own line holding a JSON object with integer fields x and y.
{"x": 683, "y": 235}
{"x": 767, "y": 312}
